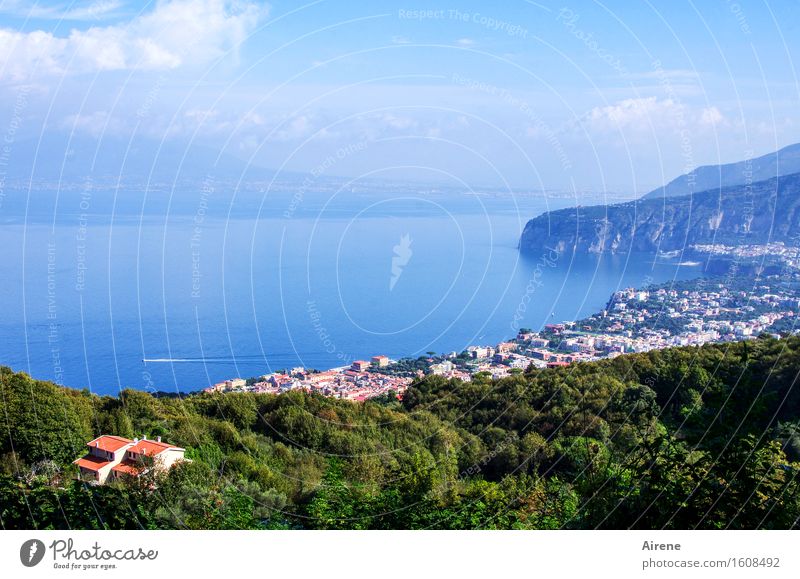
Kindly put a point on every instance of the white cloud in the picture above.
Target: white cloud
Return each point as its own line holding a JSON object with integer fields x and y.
{"x": 173, "y": 34}
{"x": 251, "y": 118}
{"x": 642, "y": 122}
{"x": 649, "y": 113}
{"x": 711, "y": 117}
{"x": 465, "y": 42}
{"x": 298, "y": 127}
{"x": 638, "y": 113}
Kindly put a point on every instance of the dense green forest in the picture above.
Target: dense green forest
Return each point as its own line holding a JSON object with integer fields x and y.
{"x": 682, "y": 438}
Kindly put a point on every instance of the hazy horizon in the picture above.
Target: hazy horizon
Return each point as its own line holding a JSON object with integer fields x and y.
{"x": 520, "y": 95}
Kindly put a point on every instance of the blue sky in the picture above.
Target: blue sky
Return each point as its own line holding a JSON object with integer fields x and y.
{"x": 617, "y": 96}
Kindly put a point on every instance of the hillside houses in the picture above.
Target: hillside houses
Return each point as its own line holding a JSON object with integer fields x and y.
{"x": 111, "y": 457}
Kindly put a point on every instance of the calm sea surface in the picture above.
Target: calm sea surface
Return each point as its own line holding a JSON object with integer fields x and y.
{"x": 180, "y": 293}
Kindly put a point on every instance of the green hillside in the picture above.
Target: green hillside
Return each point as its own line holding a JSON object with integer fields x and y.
{"x": 681, "y": 438}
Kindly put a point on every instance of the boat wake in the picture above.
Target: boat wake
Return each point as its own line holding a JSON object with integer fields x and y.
{"x": 212, "y": 360}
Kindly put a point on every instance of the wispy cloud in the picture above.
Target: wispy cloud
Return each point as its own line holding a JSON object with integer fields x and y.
{"x": 84, "y": 11}
{"x": 680, "y": 74}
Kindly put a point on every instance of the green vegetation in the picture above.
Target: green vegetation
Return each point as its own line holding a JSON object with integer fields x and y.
{"x": 681, "y": 438}
{"x": 406, "y": 367}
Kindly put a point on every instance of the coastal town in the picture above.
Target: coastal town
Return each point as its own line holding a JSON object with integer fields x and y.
{"x": 358, "y": 381}
{"x": 785, "y": 257}
{"x": 685, "y": 313}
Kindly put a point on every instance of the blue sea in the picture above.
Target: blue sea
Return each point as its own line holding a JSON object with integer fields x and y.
{"x": 174, "y": 291}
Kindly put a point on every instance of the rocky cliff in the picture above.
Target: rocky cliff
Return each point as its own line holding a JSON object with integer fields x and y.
{"x": 764, "y": 211}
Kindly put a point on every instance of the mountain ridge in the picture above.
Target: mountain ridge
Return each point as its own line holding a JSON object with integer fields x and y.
{"x": 785, "y": 161}
{"x": 767, "y": 210}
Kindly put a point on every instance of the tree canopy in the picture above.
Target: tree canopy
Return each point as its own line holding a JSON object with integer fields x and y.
{"x": 695, "y": 437}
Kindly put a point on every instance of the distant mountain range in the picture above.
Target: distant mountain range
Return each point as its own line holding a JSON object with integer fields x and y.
{"x": 767, "y": 210}
{"x": 783, "y": 162}
{"x": 59, "y": 156}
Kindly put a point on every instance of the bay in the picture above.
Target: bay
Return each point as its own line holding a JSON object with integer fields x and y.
{"x": 108, "y": 295}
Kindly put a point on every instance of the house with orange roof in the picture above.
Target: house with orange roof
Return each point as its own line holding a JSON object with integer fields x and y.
{"x": 111, "y": 457}
{"x": 360, "y": 366}
{"x": 105, "y": 452}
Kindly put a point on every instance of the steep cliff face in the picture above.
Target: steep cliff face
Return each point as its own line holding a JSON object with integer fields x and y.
{"x": 764, "y": 211}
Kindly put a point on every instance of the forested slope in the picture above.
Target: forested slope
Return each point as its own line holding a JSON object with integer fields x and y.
{"x": 688, "y": 437}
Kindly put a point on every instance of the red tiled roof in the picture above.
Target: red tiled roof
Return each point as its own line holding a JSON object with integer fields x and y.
{"x": 127, "y": 467}
{"x": 150, "y": 447}
{"x": 91, "y": 462}
{"x": 109, "y": 442}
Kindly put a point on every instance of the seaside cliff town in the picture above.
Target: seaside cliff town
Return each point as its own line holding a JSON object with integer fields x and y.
{"x": 685, "y": 313}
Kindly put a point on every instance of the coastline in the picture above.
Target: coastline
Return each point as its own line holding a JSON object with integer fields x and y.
{"x": 700, "y": 311}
